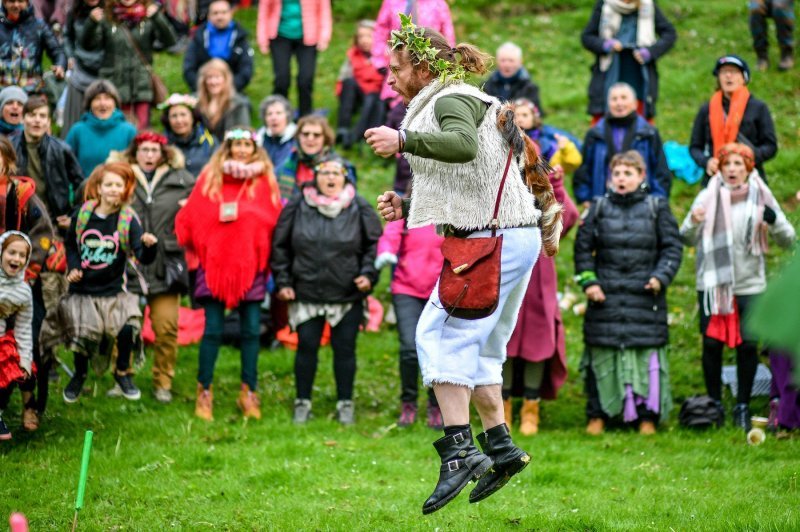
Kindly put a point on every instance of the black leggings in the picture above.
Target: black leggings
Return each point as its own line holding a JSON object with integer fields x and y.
{"x": 746, "y": 355}
{"x": 343, "y": 342}
{"x": 282, "y": 50}
{"x": 125, "y": 341}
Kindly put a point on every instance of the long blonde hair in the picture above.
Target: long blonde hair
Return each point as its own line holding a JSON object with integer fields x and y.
{"x": 223, "y": 100}
{"x": 212, "y": 187}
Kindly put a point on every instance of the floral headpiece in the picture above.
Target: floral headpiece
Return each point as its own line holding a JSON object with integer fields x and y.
{"x": 240, "y": 134}
{"x": 178, "y": 99}
{"x": 742, "y": 150}
{"x": 411, "y": 37}
{"x": 150, "y": 136}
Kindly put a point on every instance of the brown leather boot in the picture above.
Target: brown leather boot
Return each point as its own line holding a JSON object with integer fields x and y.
{"x": 596, "y": 426}
{"x": 508, "y": 413}
{"x": 529, "y": 417}
{"x": 647, "y": 428}
{"x": 249, "y": 403}
{"x": 204, "y": 406}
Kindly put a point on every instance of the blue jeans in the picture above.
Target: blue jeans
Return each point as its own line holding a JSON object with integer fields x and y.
{"x": 250, "y": 314}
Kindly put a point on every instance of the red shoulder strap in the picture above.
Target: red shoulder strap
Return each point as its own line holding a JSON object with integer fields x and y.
{"x": 495, "y": 224}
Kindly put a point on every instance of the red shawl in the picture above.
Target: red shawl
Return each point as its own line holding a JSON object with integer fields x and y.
{"x": 231, "y": 253}
{"x": 725, "y": 129}
{"x": 367, "y": 77}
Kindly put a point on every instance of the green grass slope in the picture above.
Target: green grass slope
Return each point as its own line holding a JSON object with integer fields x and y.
{"x": 156, "y": 467}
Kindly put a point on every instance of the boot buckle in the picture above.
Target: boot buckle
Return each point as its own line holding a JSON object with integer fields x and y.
{"x": 458, "y": 437}
{"x": 453, "y": 465}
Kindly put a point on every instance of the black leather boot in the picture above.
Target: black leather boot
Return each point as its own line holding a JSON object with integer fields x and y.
{"x": 461, "y": 462}
{"x": 508, "y": 461}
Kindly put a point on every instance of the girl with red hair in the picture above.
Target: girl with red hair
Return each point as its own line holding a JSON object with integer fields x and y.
{"x": 728, "y": 223}
{"x": 104, "y": 236}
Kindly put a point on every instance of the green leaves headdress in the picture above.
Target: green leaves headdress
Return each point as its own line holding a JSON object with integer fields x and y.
{"x": 419, "y": 48}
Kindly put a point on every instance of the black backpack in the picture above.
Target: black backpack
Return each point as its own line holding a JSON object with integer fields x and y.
{"x": 700, "y": 412}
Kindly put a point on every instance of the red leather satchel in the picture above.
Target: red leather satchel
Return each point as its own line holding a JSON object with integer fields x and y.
{"x": 469, "y": 285}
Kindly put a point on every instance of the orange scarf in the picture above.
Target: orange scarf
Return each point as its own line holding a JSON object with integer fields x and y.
{"x": 725, "y": 129}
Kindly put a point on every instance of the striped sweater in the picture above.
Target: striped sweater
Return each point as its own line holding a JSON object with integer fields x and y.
{"x": 16, "y": 300}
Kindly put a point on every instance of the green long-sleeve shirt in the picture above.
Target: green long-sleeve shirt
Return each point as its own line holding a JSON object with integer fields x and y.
{"x": 459, "y": 116}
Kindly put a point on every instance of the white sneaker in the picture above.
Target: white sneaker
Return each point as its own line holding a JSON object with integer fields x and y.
{"x": 116, "y": 391}
{"x": 162, "y": 395}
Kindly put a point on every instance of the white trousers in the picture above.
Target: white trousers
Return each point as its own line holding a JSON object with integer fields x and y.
{"x": 471, "y": 352}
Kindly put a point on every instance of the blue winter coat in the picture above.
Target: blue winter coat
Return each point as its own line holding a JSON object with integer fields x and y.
{"x": 92, "y": 139}
{"x": 590, "y": 179}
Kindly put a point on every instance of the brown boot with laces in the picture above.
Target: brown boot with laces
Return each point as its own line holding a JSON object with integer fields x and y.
{"x": 203, "y": 408}
{"x": 249, "y": 403}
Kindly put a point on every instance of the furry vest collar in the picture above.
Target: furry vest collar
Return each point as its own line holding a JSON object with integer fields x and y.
{"x": 463, "y": 194}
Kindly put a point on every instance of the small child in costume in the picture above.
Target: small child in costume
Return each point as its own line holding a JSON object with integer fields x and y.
{"x": 228, "y": 223}
{"x": 728, "y": 223}
{"x": 16, "y": 318}
{"x": 627, "y": 252}
{"x": 101, "y": 239}
{"x": 418, "y": 259}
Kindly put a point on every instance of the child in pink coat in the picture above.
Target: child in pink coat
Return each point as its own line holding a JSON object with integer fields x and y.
{"x": 416, "y": 254}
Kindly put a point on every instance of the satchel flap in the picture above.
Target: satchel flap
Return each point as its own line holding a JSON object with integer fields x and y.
{"x": 463, "y": 253}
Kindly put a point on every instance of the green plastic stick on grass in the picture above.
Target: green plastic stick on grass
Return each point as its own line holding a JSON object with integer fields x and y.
{"x": 87, "y": 450}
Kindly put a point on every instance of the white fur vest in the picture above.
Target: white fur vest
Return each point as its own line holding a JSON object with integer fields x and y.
{"x": 463, "y": 194}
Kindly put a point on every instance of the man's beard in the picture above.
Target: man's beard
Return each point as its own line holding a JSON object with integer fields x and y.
{"x": 415, "y": 85}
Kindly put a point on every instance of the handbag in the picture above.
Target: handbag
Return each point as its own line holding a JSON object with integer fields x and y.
{"x": 160, "y": 90}
{"x": 469, "y": 284}
{"x": 229, "y": 210}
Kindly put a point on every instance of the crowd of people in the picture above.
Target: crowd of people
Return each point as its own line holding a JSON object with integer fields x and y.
{"x": 102, "y": 216}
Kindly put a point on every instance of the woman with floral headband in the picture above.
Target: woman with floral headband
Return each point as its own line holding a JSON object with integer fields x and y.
{"x": 728, "y": 223}
{"x": 185, "y": 130}
{"x": 162, "y": 186}
{"x": 228, "y": 223}
{"x": 459, "y": 140}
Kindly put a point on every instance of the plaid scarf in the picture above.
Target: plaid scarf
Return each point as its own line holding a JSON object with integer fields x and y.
{"x": 715, "y": 253}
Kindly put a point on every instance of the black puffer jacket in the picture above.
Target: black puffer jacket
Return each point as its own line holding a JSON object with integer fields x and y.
{"x": 756, "y": 129}
{"x": 630, "y": 240}
{"x": 520, "y": 85}
{"x": 22, "y": 44}
{"x": 60, "y": 168}
{"x": 319, "y": 256}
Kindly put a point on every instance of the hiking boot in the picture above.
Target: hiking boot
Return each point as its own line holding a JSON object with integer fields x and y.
{"x": 5, "y": 433}
{"x": 162, "y": 395}
{"x": 408, "y": 414}
{"x": 249, "y": 403}
{"x": 647, "y": 428}
{"x": 128, "y": 388}
{"x": 461, "y": 462}
{"x": 204, "y": 405}
{"x": 508, "y": 413}
{"x": 508, "y": 461}
{"x": 596, "y": 426}
{"x": 435, "y": 420}
{"x": 762, "y": 65}
{"x": 30, "y": 419}
{"x": 74, "y": 388}
{"x": 345, "y": 412}
{"x": 741, "y": 416}
{"x": 302, "y": 411}
{"x": 786, "y": 63}
{"x": 529, "y": 417}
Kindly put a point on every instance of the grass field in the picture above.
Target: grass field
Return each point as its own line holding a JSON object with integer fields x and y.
{"x": 156, "y": 467}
